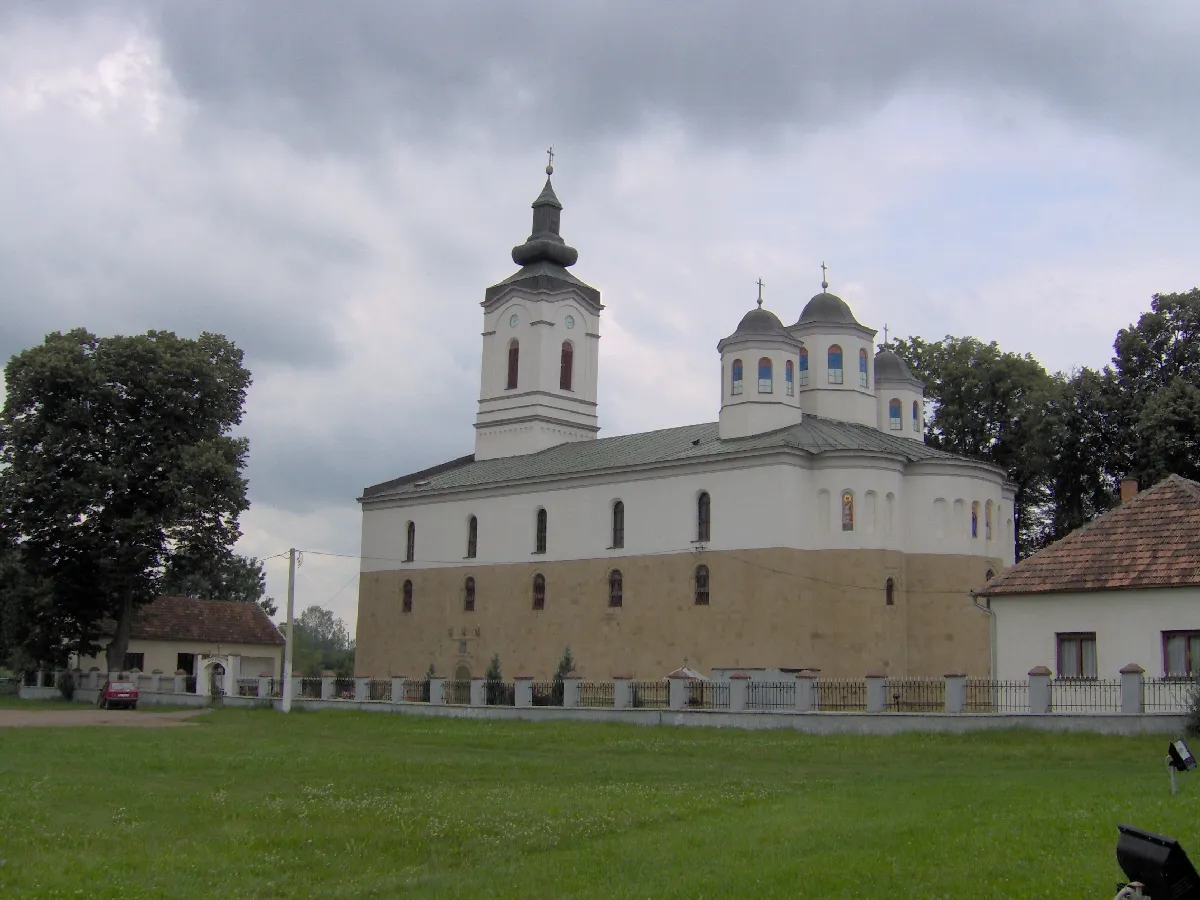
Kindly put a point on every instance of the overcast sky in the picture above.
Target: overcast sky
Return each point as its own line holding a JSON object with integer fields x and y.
{"x": 332, "y": 186}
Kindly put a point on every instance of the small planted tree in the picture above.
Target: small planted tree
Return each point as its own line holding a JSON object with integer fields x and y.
{"x": 566, "y": 668}
{"x": 1192, "y": 726}
{"x": 494, "y": 681}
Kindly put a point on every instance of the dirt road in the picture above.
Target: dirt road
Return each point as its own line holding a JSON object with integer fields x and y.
{"x": 68, "y": 718}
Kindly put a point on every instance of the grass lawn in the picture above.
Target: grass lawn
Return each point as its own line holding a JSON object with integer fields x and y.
{"x": 346, "y": 804}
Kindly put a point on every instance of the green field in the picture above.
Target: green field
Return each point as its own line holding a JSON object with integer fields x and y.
{"x": 345, "y": 804}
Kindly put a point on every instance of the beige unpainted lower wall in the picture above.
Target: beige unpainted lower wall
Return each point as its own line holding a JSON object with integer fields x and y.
{"x": 789, "y": 608}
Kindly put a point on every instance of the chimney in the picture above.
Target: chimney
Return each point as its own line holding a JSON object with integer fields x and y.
{"x": 1129, "y": 489}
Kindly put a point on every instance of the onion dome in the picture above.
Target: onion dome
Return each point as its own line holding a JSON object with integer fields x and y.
{"x": 890, "y": 367}
{"x": 544, "y": 243}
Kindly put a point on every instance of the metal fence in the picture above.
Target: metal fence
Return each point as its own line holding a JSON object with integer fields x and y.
{"x": 833, "y": 695}
{"x": 416, "y": 691}
{"x": 596, "y": 694}
{"x": 548, "y": 693}
{"x": 1172, "y": 695}
{"x": 1085, "y": 695}
{"x": 985, "y": 696}
{"x": 189, "y": 685}
{"x": 458, "y": 693}
{"x": 707, "y": 695}
{"x": 650, "y": 694}
{"x": 379, "y": 689}
{"x": 310, "y": 688}
{"x": 914, "y": 695}
{"x": 499, "y": 693}
{"x": 247, "y": 687}
{"x": 771, "y": 695}
{"x": 273, "y": 687}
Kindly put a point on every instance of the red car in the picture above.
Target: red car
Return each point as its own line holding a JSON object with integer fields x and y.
{"x": 117, "y": 695}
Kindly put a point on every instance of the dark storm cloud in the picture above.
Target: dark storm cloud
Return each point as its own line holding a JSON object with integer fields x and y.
{"x": 346, "y": 75}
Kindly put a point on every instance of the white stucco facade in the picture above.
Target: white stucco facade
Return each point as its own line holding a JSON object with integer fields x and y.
{"x": 1128, "y": 625}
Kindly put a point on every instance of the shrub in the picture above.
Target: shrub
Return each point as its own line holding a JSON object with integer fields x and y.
{"x": 1192, "y": 726}
{"x": 66, "y": 685}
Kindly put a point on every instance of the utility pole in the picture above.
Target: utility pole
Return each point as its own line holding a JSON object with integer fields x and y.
{"x": 286, "y": 686}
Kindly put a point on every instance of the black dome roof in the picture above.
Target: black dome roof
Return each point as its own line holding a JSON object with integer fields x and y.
{"x": 827, "y": 307}
{"x": 890, "y": 367}
{"x": 760, "y": 321}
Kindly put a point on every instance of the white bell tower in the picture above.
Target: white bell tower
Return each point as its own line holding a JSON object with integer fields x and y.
{"x": 541, "y": 341}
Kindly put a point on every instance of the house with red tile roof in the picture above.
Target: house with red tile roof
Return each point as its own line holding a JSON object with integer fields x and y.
{"x": 1123, "y": 589}
{"x": 178, "y": 633}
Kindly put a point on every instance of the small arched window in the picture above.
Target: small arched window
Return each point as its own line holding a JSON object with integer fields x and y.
{"x": 862, "y": 368}
{"x": 703, "y": 516}
{"x": 835, "y": 364}
{"x": 540, "y": 532}
{"x": 789, "y": 378}
{"x": 975, "y": 519}
{"x": 514, "y": 361}
{"x": 566, "y": 366}
{"x": 539, "y": 591}
{"x": 410, "y": 542}
{"x": 735, "y": 378}
{"x": 616, "y": 588}
{"x": 469, "y": 595}
{"x": 916, "y": 416}
{"x": 847, "y": 510}
{"x": 895, "y": 414}
{"x": 803, "y": 366}
{"x": 765, "y": 380}
{"x": 472, "y": 536}
{"x": 618, "y": 525}
{"x": 702, "y": 585}
{"x": 406, "y": 601}
{"x": 890, "y": 591}
{"x": 987, "y": 520}
{"x": 989, "y": 575}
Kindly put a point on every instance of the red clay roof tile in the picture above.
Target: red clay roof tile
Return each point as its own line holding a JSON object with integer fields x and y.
{"x": 208, "y": 621}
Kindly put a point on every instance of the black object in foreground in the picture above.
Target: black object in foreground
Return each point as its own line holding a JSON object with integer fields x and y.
{"x": 1158, "y": 862}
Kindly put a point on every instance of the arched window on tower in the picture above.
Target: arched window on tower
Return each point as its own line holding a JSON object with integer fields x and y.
{"x": 735, "y": 378}
{"x": 469, "y": 595}
{"x": 862, "y": 368}
{"x": 895, "y": 415}
{"x": 890, "y": 591}
{"x": 835, "y": 364}
{"x": 847, "y": 510}
{"x": 987, "y": 520}
{"x": 566, "y": 367}
{"x": 803, "y": 366}
{"x": 539, "y": 591}
{"x": 702, "y": 585}
{"x": 410, "y": 542}
{"x": 765, "y": 381}
{"x": 703, "y": 516}
{"x": 472, "y": 536}
{"x": 514, "y": 360}
{"x": 540, "y": 532}
{"x": 975, "y": 519}
{"x": 916, "y": 415}
{"x": 618, "y": 525}
{"x": 406, "y": 598}
{"x": 789, "y": 378}
{"x": 616, "y": 588}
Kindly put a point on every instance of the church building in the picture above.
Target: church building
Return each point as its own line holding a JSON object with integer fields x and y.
{"x": 809, "y": 526}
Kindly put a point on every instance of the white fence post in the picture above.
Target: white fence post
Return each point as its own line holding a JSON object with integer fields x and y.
{"x": 806, "y": 690}
{"x": 1133, "y": 678}
{"x": 1039, "y": 690}
{"x": 876, "y": 691}
{"x": 956, "y": 692}
{"x": 739, "y": 691}
{"x": 523, "y": 686}
{"x": 398, "y": 688}
{"x": 437, "y": 691}
{"x": 362, "y": 688}
{"x": 478, "y": 691}
{"x": 622, "y": 691}
{"x": 677, "y": 694}
{"x": 326, "y": 687}
{"x": 571, "y": 692}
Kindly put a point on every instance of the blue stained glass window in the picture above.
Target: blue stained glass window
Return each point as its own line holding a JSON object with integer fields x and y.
{"x": 803, "y": 360}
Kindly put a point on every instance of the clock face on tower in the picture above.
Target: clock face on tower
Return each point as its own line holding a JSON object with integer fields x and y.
{"x": 512, "y": 321}
{"x": 569, "y": 322}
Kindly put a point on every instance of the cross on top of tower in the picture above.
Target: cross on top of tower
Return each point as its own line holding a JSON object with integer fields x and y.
{"x": 885, "y": 332}
{"x": 760, "y": 287}
{"x": 550, "y": 160}
{"x": 824, "y": 280}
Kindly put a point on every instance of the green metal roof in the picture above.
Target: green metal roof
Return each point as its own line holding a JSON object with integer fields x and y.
{"x": 668, "y": 445}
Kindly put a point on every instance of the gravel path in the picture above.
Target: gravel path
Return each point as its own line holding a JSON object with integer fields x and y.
{"x": 68, "y": 718}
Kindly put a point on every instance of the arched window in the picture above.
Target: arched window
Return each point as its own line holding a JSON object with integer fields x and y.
{"x": 735, "y": 378}
{"x": 410, "y": 542}
{"x": 989, "y": 575}
{"x": 703, "y": 516}
{"x": 469, "y": 595}
{"x": 916, "y": 416}
{"x": 618, "y": 525}
{"x": 540, "y": 532}
{"x": 615, "y": 588}
{"x": 764, "y": 376}
{"x": 539, "y": 591}
{"x": 472, "y": 536}
{"x": 847, "y": 510}
{"x": 890, "y": 591}
{"x": 803, "y": 366}
{"x": 566, "y": 366}
{"x": 789, "y": 378}
{"x": 895, "y": 412}
{"x": 702, "y": 585}
{"x": 987, "y": 520}
{"x": 514, "y": 359}
{"x": 862, "y": 368}
{"x": 406, "y": 602}
{"x": 835, "y": 364}
{"x": 975, "y": 519}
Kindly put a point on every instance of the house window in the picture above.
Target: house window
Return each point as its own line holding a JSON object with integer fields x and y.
{"x": 540, "y": 536}
{"x": 618, "y": 525}
{"x": 916, "y": 416}
{"x": 469, "y": 595}
{"x": 862, "y": 368}
{"x": 1077, "y": 655}
{"x": 134, "y": 661}
{"x": 835, "y": 364}
{"x": 472, "y": 536}
{"x": 703, "y": 516}
{"x": 789, "y": 378}
{"x": 186, "y": 663}
{"x": 566, "y": 366}
{"x": 702, "y": 585}
{"x": 847, "y": 510}
{"x": 764, "y": 376}
{"x": 895, "y": 422}
{"x": 539, "y": 591}
{"x": 735, "y": 378}
{"x": 1181, "y": 654}
{"x": 514, "y": 360}
{"x": 410, "y": 542}
{"x": 615, "y": 588}
{"x": 803, "y": 366}
{"x": 406, "y": 602}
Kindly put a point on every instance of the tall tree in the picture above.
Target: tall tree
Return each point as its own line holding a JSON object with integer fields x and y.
{"x": 115, "y": 454}
{"x": 322, "y": 642}
{"x": 231, "y": 577}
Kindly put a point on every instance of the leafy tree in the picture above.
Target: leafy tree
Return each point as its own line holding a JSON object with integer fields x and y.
{"x": 1168, "y": 433}
{"x": 322, "y": 643}
{"x": 231, "y": 577}
{"x": 494, "y": 681}
{"x": 566, "y": 668}
{"x": 115, "y": 455}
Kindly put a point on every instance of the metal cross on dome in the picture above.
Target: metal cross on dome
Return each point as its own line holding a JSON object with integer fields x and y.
{"x": 824, "y": 280}
{"x": 760, "y": 287}
{"x": 550, "y": 160}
